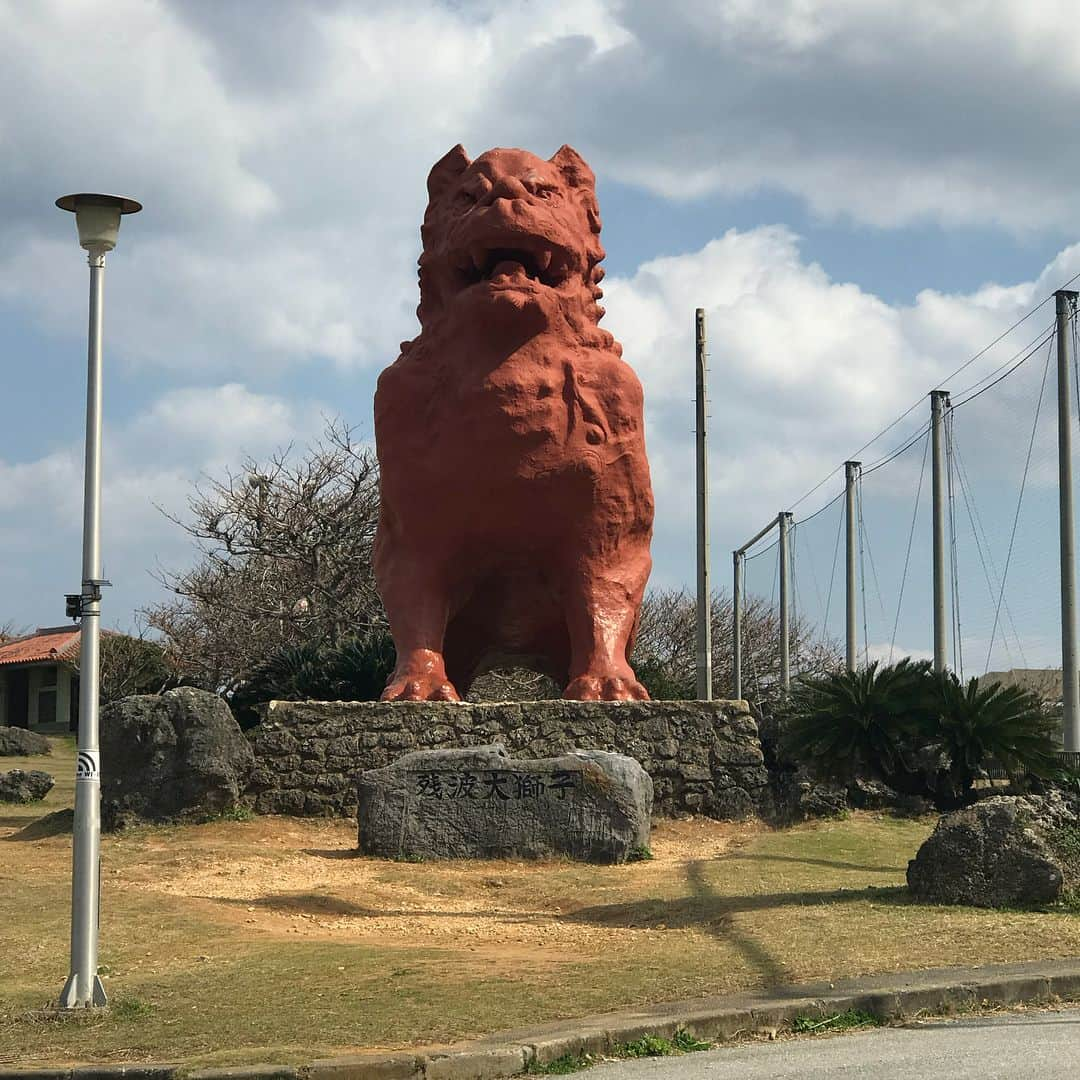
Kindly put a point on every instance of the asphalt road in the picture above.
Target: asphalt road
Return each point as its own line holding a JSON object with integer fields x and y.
{"x": 1033, "y": 1045}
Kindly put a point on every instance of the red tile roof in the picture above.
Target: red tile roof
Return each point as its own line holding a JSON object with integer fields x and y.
{"x": 49, "y": 643}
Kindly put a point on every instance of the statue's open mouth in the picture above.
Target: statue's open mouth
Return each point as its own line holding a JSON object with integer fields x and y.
{"x": 510, "y": 267}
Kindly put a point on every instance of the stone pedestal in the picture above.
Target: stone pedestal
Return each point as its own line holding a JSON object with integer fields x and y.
{"x": 703, "y": 757}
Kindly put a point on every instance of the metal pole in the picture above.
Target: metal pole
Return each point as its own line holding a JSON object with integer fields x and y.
{"x": 784, "y": 521}
{"x": 851, "y": 473}
{"x": 704, "y": 612}
{"x": 1066, "y": 309}
{"x": 739, "y": 556}
{"x": 83, "y": 988}
{"x": 939, "y": 402}
{"x": 736, "y": 630}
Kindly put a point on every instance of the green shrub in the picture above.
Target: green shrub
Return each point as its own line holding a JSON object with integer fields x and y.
{"x": 971, "y": 724}
{"x": 863, "y": 722}
{"x": 356, "y": 668}
{"x": 919, "y": 732}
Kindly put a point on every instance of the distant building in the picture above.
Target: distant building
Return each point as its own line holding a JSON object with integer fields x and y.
{"x": 39, "y": 680}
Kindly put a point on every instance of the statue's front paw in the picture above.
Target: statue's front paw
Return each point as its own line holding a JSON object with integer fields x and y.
{"x": 423, "y": 688}
{"x": 420, "y": 676}
{"x": 605, "y": 688}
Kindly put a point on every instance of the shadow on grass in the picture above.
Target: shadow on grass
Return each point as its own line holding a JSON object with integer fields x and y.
{"x": 55, "y": 824}
{"x": 301, "y": 904}
{"x": 317, "y": 904}
{"x": 832, "y": 864}
{"x": 707, "y": 910}
{"x": 333, "y": 853}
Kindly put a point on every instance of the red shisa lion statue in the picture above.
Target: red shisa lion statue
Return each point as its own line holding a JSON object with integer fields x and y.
{"x": 516, "y": 504}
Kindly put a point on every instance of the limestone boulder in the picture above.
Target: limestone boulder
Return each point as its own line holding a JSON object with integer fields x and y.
{"x": 1002, "y": 852}
{"x": 168, "y": 757}
{"x": 18, "y": 742}
{"x": 480, "y": 803}
{"x": 25, "y": 786}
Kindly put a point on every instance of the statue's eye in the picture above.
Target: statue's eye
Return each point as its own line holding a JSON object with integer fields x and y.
{"x": 541, "y": 191}
{"x": 473, "y": 192}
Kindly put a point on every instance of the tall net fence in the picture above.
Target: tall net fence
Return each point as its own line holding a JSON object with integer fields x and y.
{"x": 1003, "y": 521}
{"x": 817, "y": 572}
{"x": 895, "y": 553}
{"x": 1000, "y": 500}
{"x": 761, "y": 620}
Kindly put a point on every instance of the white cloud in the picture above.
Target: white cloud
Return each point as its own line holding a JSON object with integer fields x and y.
{"x": 280, "y": 225}
{"x": 280, "y": 149}
{"x": 803, "y": 371}
{"x": 877, "y": 111}
{"x": 890, "y": 654}
{"x": 220, "y": 422}
{"x": 149, "y": 464}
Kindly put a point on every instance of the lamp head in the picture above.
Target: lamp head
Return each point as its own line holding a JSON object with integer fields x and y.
{"x": 98, "y": 218}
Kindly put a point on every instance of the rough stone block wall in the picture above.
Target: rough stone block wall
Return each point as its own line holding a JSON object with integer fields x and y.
{"x": 703, "y": 757}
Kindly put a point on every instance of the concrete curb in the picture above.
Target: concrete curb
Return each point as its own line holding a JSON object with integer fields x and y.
{"x": 890, "y": 997}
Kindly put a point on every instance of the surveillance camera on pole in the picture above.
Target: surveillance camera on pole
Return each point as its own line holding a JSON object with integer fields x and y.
{"x": 97, "y": 218}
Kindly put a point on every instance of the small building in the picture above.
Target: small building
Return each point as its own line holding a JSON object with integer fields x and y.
{"x": 39, "y": 680}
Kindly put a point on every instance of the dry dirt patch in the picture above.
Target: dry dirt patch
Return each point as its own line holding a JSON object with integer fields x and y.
{"x": 199, "y": 921}
{"x": 286, "y": 877}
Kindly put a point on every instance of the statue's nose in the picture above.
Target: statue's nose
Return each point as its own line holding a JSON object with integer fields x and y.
{"x": 507, "y": 187}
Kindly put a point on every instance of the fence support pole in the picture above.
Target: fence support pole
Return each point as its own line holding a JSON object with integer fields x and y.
{"x": 784, "y": 521}
{"x": 704, "y": 607}
{"x": 851, "y": 474}
{"x": 1066, "y": 309}
{"x": 939, "y": 401}
{"x": 736, "y": 627}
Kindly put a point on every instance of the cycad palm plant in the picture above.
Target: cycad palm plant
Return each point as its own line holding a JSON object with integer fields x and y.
{"x": 861, "y": 722}
{"x": 973, "y": 723}
{"x": 355, "y": 669}
{"x": 362, "y": 664}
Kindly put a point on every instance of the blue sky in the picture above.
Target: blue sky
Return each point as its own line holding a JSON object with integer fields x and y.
{"x": 861, "y": 195}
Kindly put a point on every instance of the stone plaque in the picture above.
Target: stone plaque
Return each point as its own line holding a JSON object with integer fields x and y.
{"x": 481, "y": 803}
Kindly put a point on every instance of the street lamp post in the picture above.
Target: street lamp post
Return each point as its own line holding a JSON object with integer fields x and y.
{"x": 98, "y": 220}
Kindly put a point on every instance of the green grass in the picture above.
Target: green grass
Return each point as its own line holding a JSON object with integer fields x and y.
{"x": 647, "y": 1046}
{"x": 295, "y": 958}
{"x": 849, "y": 1020}
{"x": 233, "y": 813}
{"x": 131, "y": 1009}
{"x": 561, "y": 1066}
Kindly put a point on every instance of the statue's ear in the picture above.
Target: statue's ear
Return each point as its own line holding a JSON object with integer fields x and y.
{"x": 572, "y": 165}
{"x": 446, "y": 171}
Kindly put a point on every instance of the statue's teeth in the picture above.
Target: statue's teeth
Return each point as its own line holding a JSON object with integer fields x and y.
{"x": 508, "y": 268}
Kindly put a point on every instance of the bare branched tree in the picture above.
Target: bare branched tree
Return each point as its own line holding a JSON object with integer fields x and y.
{"x": 131, "y": 665}
{"x": 665, "y": 653}
{"x": 284, "y": 558}
{"x": 9, "y": 632}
